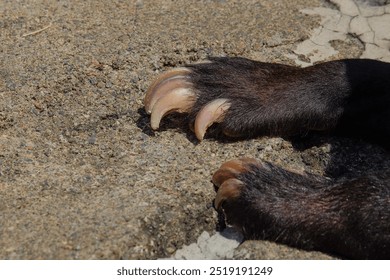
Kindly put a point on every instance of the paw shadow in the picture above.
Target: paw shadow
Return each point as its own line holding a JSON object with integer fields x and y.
{"x": 175, "y": 121}
{"x": 348, "y": 157}
{"x": 143, "y": 122}
{"x": 180, "y": 122}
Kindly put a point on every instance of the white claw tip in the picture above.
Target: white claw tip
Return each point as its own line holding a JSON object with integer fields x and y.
{"x": 179, "y": 100}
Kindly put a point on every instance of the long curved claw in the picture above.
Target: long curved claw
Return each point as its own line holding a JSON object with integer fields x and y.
{"x": 231, "y": 169}
{"x": 165, "y": 87}
{"x": 229, "y": 189}
{"x": 178, "y": 100}
{"x": 166, "y": 82}
{"x": 213, "y": 112}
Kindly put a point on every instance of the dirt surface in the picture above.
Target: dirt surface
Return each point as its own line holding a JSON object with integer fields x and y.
{"x": 82, "y": 176}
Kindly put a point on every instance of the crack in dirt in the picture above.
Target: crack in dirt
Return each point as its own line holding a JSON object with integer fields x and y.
{"x": 337, "y": 25}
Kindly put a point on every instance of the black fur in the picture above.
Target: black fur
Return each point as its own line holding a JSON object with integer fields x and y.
{"x": 350, "y": 218}
{"x": 346, "y": 218}
{"x": 349, "y": 97}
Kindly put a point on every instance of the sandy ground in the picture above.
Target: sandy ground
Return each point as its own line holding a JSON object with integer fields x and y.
{"x": 82, "y": 176}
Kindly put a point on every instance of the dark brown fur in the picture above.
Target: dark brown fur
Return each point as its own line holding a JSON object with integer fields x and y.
{"x": 348, "y": 97}
{"x": 347, "y": 218}
{"x": 350, "y": 218}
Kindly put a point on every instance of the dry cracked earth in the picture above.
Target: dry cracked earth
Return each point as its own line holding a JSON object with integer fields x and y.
{"x": 83, "y": 176}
